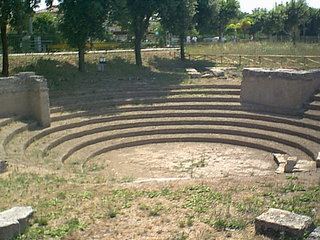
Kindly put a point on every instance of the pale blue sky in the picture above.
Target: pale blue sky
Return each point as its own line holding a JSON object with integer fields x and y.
{"x": 249, "y": 5}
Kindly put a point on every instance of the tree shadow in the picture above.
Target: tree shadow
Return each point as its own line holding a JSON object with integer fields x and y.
{"x": 122, "y": 79}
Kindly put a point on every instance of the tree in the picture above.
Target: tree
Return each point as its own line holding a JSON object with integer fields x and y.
{"x": 313, "y": 22}
{"x": 259, "y": 17}
{"x": 296, "y": 12}
{"x": 206, "y": 16}
{"x": 177, "y": 17}
{"x": 227, "y": 10}
{"x": 46, "y": 24}
{"x": 81, "y": 20}
{"x": 12, "y": 12}
{"x": 134, "y": 15}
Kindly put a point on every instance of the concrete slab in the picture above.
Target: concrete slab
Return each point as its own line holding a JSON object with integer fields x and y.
{"x": 276, "y": 222}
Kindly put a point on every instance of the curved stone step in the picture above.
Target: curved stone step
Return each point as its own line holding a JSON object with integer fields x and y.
{"x": 241, "y": 116}
{"x": 10, "y": 131}
{"x": 140, "y": 94}
{"x": 202, "y": 138}
{"x": 312, "y": 114}
{"x": 139, "y": 101}
{"x": 153, "y": 88}
{"x": 59, "y": 116}
{"x": 271, "y": 138}
{"x": 6, "y": 121}
{"x": 314, "y": 106}
{"x": 250, "y": 125}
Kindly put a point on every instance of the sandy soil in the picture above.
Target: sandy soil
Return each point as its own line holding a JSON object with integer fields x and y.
{"x": 185, "y": 160}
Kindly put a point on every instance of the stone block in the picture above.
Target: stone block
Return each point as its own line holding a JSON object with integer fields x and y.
{"x": 275, "y": 223}
{"x": 290, "y": 164}
{"x": 305, "y": 166}
{"x": 193, "y": 73}
{"x": 27, "y": 95}
{"x": 283, "y": 91}
{"x": 280, "y": 158}
{"x": 315, "y": 235}
{"x": 217, "y": 72}
{"x": 14, "y": 221}
{"x": 286, "y": 164}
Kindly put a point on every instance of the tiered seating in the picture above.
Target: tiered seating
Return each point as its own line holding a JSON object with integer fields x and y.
{"x": 95, "y": 121}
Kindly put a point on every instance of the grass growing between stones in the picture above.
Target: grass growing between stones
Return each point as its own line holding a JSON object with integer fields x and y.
{"x": 75, "y": 207}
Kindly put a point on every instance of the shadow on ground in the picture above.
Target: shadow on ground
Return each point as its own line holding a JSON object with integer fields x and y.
{"x": 121, "y": 75}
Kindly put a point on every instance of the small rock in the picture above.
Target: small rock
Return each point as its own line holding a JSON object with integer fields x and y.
{"x": 276, "y": 222}
{"x": 14, "y": 221}
{"x": 207, "y": 75}
{"x": 315, "y": 235}
{"x": 3, "y": 166}
{"x": 217, "y": 72}
{"x": 285, "y": 163}
{"x": 193, "y": 73}
{"x": 318, "y": 160}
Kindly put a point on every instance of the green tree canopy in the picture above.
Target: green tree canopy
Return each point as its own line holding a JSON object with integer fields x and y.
{"x": 227, "y": 10}
{"x": 12, "y": 12}
{"x": 177, "y": 17}
{"x": 81, "y": 20}
{"x": 296, "y": 12}
{"x": 134, "y": 15}
{"x": 206, "y": 16}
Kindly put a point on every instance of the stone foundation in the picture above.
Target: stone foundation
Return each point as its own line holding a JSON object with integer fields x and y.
{"x": 27, "y": 95}
{"x": 281, "y": 91}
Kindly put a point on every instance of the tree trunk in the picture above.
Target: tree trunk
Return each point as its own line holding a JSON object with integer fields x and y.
{"x": 81, "y": 52}
{"x": 5, "y": 51}
{"x": 182, "y": 50}
{"x": 137, "y": 49}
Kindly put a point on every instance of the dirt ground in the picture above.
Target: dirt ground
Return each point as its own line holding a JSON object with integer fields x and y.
{"x": 185, "y": 160}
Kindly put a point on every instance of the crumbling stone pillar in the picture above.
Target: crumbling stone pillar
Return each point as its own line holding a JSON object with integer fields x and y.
{"x": 283, "y": 91}
{"x": 25, "y": 94}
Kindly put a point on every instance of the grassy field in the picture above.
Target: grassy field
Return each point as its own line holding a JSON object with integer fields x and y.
{"x": 78, "y": 207}
{"x": 256, "y": 48}
{"x": 61, "y": 71}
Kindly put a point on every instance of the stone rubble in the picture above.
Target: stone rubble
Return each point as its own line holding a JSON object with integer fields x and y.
{"x": 291, "y": 164}
{"x": 193, "y": 73}
{"x": 3, "y": 166}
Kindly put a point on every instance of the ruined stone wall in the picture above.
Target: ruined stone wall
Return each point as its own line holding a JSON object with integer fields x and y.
{"x": 25, "y": 94}
{"x": 281, "y": 91}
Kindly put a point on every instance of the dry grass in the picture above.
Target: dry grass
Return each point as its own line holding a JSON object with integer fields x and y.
{"x": 256, "y": 48}
{"x": 82, "y": 207}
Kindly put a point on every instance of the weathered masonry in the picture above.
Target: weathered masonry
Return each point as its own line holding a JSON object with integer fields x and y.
{"x": 25, "y": 94}
{"x": 283, "y": 91}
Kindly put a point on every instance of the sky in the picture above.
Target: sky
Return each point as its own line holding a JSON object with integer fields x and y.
{"x": 249, "y": 5}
